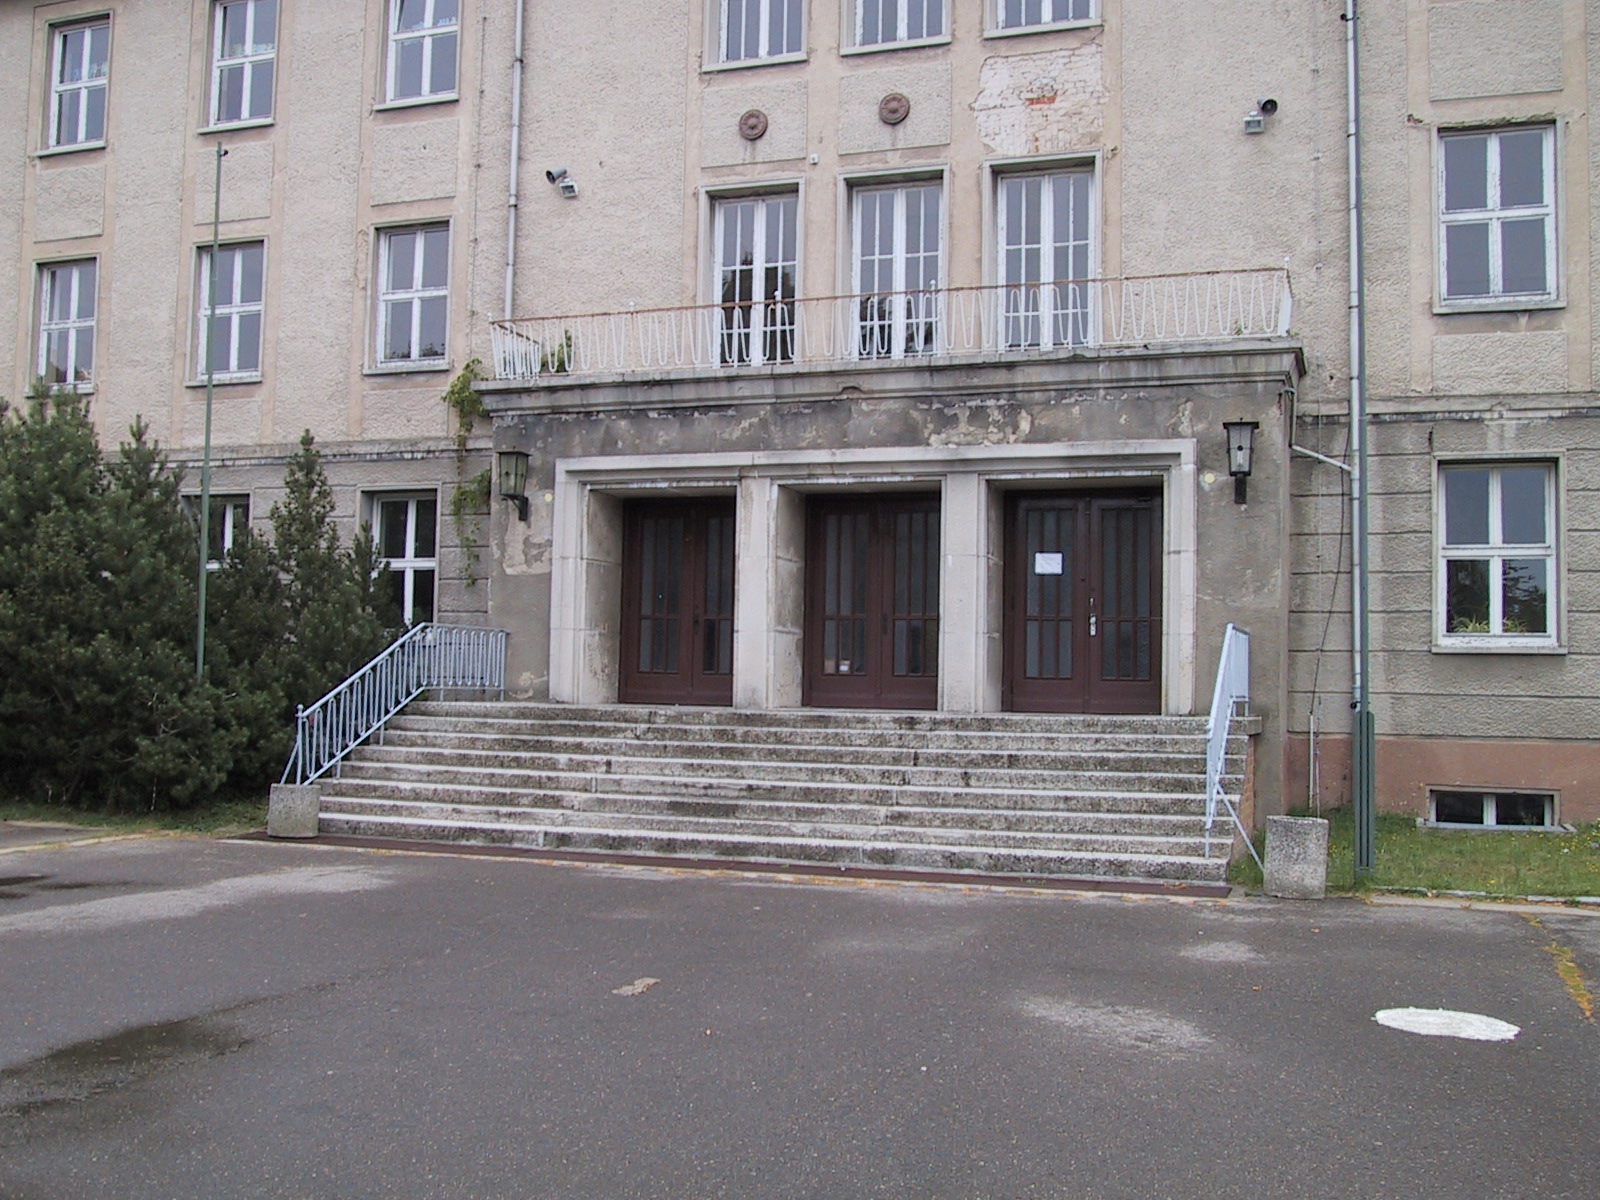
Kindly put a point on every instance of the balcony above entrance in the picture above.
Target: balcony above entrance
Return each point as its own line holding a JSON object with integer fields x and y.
{"x": 781, "y": 333}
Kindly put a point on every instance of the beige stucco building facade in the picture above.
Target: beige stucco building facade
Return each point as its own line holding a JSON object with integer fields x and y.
{"x": 872, "y": 353}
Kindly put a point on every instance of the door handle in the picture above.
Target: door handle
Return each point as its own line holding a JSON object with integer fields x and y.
{"x": 1094, "y": 624}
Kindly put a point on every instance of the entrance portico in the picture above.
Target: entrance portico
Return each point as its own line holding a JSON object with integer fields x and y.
{"x": 772, "y": 494}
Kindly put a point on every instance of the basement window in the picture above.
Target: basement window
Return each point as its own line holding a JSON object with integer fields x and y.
{"x": 1517, "y": 810}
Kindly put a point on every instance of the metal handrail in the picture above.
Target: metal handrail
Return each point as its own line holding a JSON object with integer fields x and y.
{"x": 1064, "y": 316}
{"x": 425, "y": 656}
{"x": 1229, "y": 698}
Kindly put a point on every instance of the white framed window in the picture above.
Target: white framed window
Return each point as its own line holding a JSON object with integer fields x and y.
{"x": 413, "y": 295}
{"x": 230, "y": 521}
{"x": 244, "y": 52}
{"x": 1507, "y": 810}
{"x": 1497, "y": 554}
{"x": 1497, "y": 217}
{"x": 407, "y": 530}
{"x": 232, "y": 334}
{"x": 423, "y": 37}
{"x": 896, "y": 268}
{"x": 79, "y": 71}
{"x": 66, "y": 322}
{"x": 885, "y": 22}
{"x": 757, "y": 263}
{"x": 751, "y": 30}
{"x": 1045, "y": 254}
{"x": 1036, "y": 14}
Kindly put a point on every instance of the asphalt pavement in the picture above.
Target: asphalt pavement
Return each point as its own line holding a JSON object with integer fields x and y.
{"x": 188, "y": 1018}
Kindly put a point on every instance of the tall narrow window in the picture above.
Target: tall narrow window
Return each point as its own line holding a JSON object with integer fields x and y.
{"x": 1027, "y": 14}
{"x": 232, "y": 334}
{"x": 880, "y": 22}
{"x": 244, "y": 58}
{"x": 66, "y": 322}
{"x": 1497, "y": 238}
{"x": 414, "y": 295}
{"x": 422, "y": 48}
{"x": 78, "y": 84}
{"x": 757, "y": 29}
{"x": 756, "y": 267}
{"x": 1497, "y": 553}
{"x": 407, "y": 544}
{"x": 1045, "y": 235}
{"x": 230, "y": 522}
{"x": 898, "y": 232}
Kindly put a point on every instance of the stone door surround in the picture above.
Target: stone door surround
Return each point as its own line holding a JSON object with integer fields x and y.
{"x": 770, "y": 488}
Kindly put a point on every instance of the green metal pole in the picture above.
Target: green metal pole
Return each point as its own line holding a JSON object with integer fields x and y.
{"x": 211, "y": 380}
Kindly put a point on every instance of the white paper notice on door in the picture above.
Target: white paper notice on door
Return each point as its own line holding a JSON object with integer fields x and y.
{"x": 1047, "y": 564}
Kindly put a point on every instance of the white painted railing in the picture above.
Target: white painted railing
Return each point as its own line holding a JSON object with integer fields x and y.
{"x": 1048, "y": 319}
{"x": 1230, "y": 698}
{"x": 426, "y": 656}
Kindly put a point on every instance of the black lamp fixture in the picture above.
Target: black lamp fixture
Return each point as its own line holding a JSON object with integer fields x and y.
{"x": 511, "y": 468}
{"x": 1241, "y": 454}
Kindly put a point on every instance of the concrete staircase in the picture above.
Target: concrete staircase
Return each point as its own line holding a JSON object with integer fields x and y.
{"x": 1012, "y": 794}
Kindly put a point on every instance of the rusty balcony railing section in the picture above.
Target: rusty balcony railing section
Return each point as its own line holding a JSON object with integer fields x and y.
{"x": 425, "y": 657}
{"x": 906, "y": 327}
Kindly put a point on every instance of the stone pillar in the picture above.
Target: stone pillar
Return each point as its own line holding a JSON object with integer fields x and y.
{"x": 1297, "y": 858}
{"x": 292, "y": 810}
{"x": 963, "y": 594}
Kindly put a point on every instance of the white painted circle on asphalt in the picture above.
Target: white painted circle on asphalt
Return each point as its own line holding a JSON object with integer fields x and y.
{"x": 1442, "y": 1022}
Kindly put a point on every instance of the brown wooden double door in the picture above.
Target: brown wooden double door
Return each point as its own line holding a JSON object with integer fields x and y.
{"x": 872, "y": 602}
{"x": 1083, "y": 602}
{"x": 677, "y": 603}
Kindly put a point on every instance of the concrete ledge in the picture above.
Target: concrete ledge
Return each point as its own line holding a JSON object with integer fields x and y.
{"x": 292, "y": 810}
{"x": 1297, "y": 858}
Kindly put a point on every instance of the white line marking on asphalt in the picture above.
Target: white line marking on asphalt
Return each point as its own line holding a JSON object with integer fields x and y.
{"x": 113, "y": 911}
{"x": 1442, "y": 1022}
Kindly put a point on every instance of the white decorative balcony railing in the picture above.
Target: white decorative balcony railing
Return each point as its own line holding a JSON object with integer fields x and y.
{"x": 1049, "y": 319}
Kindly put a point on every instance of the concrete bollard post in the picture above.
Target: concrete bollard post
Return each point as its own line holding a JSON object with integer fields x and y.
{"x": 292, "y": 810}
{"x": 1297, "y": 858}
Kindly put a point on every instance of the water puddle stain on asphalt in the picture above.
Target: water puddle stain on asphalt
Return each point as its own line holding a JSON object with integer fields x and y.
{"x": 76, "y": 1073}
{"x": 20, "y": 887}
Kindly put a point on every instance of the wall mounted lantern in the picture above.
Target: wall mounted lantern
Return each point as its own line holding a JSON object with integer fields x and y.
{"x": 1241, "y": 454}
{"x": 511, "y": 468}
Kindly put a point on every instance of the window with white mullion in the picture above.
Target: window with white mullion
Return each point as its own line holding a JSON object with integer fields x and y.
{"x": 414, "y": 296}
{"x": 898, "y": 244}
{"x": 1046, "y": 241}
{"x": 880, "y": 22}
{"x": 1497, "y": 215}
{"x": 78, "y": 84}
{"x": 244, "y": 59}
{"x": 66, "y": 322}
{"x": 423, "y": 38}
{"x": 1497, "y": 552}
{"x": 230, "y": 334}
{"x": 757, "y": 29}
{"x": 407, "y": 540}
{"x": 757, "y": 264}
{"x": 1026, "y": 14}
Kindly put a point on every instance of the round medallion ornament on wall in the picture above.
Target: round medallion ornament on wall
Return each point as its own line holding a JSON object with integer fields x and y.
{"x": 752, "y": 125}
{"x": 894, "y": 108}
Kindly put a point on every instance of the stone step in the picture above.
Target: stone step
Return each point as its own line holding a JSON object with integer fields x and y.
{"x": 510, "y": 769}
{"x": 1170, "y": 842}
{"x": 777, "y": 850}
{"x": 358, "y": 782}
{"x": 840, "y": 736}
{"x": 680, "y": 716}
{"x": 560, "y": 753}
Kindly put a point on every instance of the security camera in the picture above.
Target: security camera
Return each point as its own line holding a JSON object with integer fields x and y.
{"x": 559, "y": 177}
{"x": 1267, "y": 106}
{"x": 1255, "y": 120}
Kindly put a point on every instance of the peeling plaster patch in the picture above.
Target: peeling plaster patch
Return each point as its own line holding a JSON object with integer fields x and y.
{"x": 1042, "y": 103}
{"x": 1126, "y": 1028}
{"x": 1223, "y": 952}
